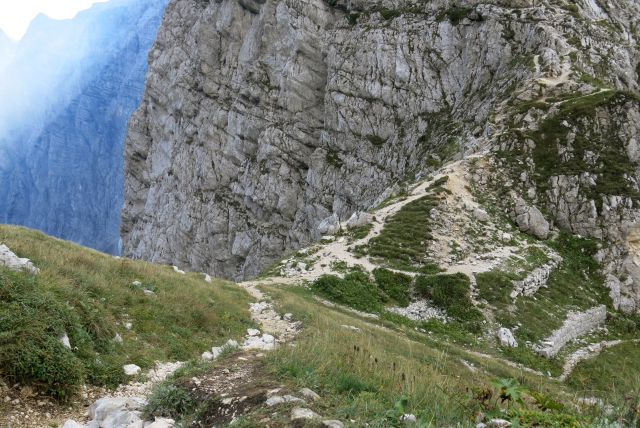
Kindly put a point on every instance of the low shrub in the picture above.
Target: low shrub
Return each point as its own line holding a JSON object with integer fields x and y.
{"x": 450, "y": 292}
{"x": 395, "y": 285}
{"x": 170, "y": 401}
{"x": 354, "y": 290}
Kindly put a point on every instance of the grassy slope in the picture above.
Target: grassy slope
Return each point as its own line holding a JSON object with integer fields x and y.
{"x": 90, "y": 296}
{"x": 363, "y": 375}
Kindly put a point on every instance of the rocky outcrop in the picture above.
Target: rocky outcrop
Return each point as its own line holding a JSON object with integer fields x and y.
{"x": 577, "y": 324}
{"x": 262, "y": 119}
{"x": 62, "y": 171}
{"x": 9, "y": 260}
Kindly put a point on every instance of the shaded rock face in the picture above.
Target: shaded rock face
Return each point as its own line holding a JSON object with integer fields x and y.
{"x": 62, "y": 171}
{"x": 261, "y": 119}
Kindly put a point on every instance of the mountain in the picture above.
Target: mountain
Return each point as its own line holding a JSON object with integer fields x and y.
{"x": 7, "y": 47}
{"x": 280, "y": 119}
{"x": 69, "y": 94}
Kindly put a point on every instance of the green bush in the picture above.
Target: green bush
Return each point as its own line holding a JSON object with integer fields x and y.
{"x": 169, "y": 401}
{"x": 451, "y": 292}
{"x": 455, "y": 14}
{"x": 32, "y": 321}
{"x": 395, "y": 285}
{"x": 495, "y": 286}
{"x": 355, "y": 290}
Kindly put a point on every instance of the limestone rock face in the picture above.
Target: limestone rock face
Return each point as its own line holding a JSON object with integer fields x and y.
{"x": 266, "y": 123}
{"x": 263, "y": 118}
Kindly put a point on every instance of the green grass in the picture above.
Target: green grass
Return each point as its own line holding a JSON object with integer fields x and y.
{"x": 370, "y": 375}
{"x": 90, "y": 296}
{"x": 577, "y": 284}
{"x": 613, "y": 373}
{"x": 360, "y": 232}
{"x": 404, "y": 241}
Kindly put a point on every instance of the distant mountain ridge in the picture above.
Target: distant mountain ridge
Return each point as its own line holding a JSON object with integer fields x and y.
{"x": 67, "y": 98}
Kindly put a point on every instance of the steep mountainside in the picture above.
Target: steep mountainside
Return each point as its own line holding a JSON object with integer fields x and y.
{"x": 6, "y": 50}
{"x": 63, "y": 128}
{"x": 279, "y": 114}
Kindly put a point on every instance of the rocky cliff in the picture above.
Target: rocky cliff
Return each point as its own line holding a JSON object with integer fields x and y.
{"x": 62, "y": 146}
{"x": 263, "y": 119}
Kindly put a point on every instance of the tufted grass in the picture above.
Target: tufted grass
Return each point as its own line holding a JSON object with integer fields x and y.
{"x": 89, "y": 296}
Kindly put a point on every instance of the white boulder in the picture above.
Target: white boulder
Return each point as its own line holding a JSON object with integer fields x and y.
{"x": 506, "y": 338}
{"x": 329, "y": 226}
{"x": 309, "y": 394}
{"x": 359, "y": 219}
{"x": 131, "y": 369}
{"x": 300, "y": 413}
{"x": 13, "y": 262}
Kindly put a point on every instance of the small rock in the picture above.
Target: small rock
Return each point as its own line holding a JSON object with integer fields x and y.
{"x": 253, "y": 332}
{"x": 118, "y": 338}
{"x": 131, "y": 369}
{"x": 216, "y": 351}
{"x": 274, "y": 401}
{"x": 232, "y": 344}
{"x": 149, "y": 293}
{"x": 498, "y": 423}
{"x": 481, "y": 215}
{"x": 311, "y": 395}
{"x": 72, "y": 424}
{"x": 332, "y": 423}
{"x": 267, "y": 338}
{"x": 128, "y": 325}
{"x": 176, "y": 270}
{"x": 287, "y": 317}
{"x": 136, "y": 283}
{"x": 207, "y": 278}
{"x": 64, "y": 339}
{"x": 292, "y": 399}
{"x": 506, "y": 237}
{"x": 409, "y": 419}
{"x": 302, "y": 413}
{"x": 207, "y": 356}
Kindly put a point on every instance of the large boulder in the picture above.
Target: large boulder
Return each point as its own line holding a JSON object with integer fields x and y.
{"x": 506, "y": 338}
{"x": 329, "y": 226}
{"x": 530, "y": 219}
{"x": 359, "y": 219}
